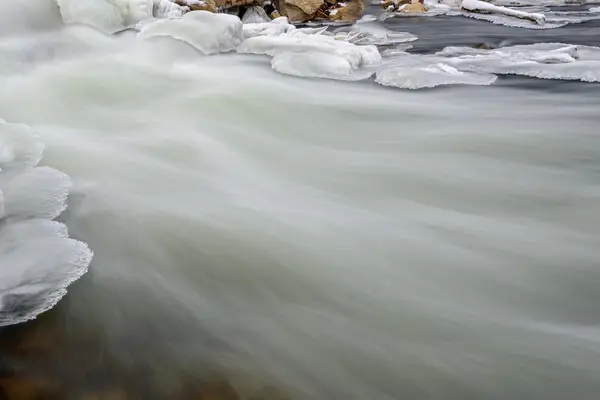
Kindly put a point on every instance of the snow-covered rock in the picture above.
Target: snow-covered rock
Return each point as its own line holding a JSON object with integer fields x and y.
{"x": 208, "y": 32}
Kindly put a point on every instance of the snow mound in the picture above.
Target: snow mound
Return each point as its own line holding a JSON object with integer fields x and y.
{"x": 37, "y": 258}
{"x": 301, "y": 54}
{"x": 209, "y": 33}
{"x": 545, "y": 61}
{"x": 418, "y": 72}
{"x": 108, "y": 16}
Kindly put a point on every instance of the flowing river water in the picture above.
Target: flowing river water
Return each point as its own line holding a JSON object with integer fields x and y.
{"x": 308, "y": 239}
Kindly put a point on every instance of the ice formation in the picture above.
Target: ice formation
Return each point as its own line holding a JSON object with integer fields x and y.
{"x": 37, "y": 258}
{"x": 108, "y": 16}
{"x": 374, "y": 33}
{"x": 276, "y": 27}
{"x": 208, "y": 32}
{"x": 487, "y": 8}
{"x": 407, "y": 71}
{"x": 298, "y": 53}
{"x": 545, "y": 61}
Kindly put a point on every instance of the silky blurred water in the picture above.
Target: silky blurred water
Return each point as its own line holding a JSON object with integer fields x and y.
{"x": 335, "y": 240}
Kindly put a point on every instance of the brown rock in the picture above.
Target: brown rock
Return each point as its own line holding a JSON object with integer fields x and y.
{"x": 415, "y": 7}
{"x": 295, "y": 14}
{"x": 351, "y": 12}
{"x": 204, "y": 5}
{"x": 307, "y": 7}
{"x": 234, "y": 3}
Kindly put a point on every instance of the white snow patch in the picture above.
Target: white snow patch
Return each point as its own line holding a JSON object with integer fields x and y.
{"x": 208, "y": 32}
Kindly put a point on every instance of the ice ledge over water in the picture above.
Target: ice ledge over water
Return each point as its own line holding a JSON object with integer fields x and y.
{"x": 38, "y": 261}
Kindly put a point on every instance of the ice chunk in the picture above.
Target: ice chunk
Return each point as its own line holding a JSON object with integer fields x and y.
{"x": 36, "y": 272}
{"x": 37, "y": 259}
{"x": 167, "y": 9}
{"x": 297, "y": 53}
{"x": 487, "y": 8}
{"x": 546, "y": 61}
{"x": 108, "y": 16}
{"x": 417, "y": 72}
{"x": 20, "y": 146}
{"x": 373, "y": 33}
{"x": 317, "y": 65}
{"x": 277, "y": 27}
{"x": 35, "y": 193}
{"x": 255, "y": 15}
{"x": 209, "y": 33}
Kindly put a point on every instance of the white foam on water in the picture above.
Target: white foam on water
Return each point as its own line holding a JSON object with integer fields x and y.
{"x": 209, "y": 33}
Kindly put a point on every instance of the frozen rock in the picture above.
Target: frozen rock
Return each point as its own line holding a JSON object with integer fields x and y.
{"x": 414, "y": 7}
{"x": 208, "y": 32}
